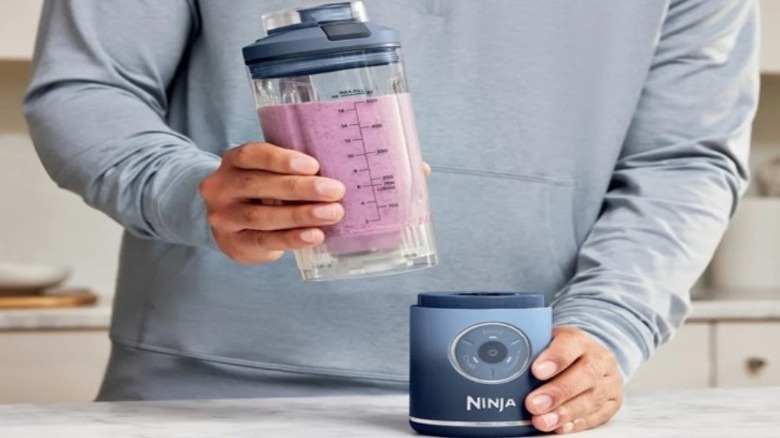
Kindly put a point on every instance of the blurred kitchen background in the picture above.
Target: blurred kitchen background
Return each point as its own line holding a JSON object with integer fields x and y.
{"x": 54, "y": 351}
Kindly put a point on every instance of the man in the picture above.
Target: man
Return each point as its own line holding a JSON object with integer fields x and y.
{"x": 589, "y": 150}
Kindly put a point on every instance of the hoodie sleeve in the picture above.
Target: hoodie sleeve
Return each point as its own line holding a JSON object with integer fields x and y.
{"x": 677, "y": 181}
{"x": 97, "y": 106}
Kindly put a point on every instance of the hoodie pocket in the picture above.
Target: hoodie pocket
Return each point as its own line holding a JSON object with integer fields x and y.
{"x": 508, "y": 230}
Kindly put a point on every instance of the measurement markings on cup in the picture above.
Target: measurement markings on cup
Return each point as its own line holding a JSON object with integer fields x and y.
{"x": 376, "y": 182}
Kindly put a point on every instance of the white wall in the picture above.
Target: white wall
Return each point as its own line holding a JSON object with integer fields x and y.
{"x": 40, "y": 223}
{"x": 18, "y": 20}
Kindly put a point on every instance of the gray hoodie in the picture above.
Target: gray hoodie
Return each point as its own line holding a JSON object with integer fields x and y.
{"x": 591, "y": 150}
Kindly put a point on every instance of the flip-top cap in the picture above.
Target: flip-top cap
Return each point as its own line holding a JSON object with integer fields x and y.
{"x": 315, "y": 14}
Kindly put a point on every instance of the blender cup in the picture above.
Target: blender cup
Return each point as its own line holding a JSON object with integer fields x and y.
{"x": 330, "y": 84}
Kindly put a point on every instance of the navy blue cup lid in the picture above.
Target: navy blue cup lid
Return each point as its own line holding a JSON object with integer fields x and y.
{"x": 314, "y": 35}
{"x": 481, "y": 300}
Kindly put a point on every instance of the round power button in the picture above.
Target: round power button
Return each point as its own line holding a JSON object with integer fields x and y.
{"x": 490, "y": 353}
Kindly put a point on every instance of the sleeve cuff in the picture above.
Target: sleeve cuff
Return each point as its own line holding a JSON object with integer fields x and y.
{"x": 178, "y": 214}
{"x": 615, "y": 328}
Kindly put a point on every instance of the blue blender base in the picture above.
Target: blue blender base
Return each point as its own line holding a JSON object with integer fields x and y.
{"x": 456, "y": 432}
{"x": 469, "y": 362}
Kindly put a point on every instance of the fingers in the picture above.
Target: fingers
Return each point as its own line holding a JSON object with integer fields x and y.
{"x": 265, "y": 156}
{"x": 588, "y": 402}
{"x": 594, "y": 419}
{"x": 257, "y": 217}
{"x": 427, "y": 169}
{"x": 253, "y": 184}
{"x": 580, "y": 406}
{"x": 255, "y": 247}
{"x": 279, "y": 240}
{"x": 584, "y": 374}
{"x": 249, "y": 231}
{"x": 566, "y": 347}
{"x": 253, "y": 202}
{"x": 584, "y": 386}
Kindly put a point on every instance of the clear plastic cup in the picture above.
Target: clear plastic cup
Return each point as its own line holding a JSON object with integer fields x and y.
{"x": 331, "y": 84}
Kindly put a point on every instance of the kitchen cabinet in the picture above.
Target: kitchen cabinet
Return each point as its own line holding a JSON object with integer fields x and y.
{"x": 748, "y": 354}
{"x": 684, "y": 362}
{"x": 43, "y": 366}
{"x": 19, "y": 20}
{"x": 715, "y": 353}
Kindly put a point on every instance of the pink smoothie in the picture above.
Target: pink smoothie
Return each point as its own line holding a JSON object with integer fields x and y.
{"x": 371, "y": 146}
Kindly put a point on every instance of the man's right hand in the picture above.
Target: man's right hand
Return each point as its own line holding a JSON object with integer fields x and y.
{"x": 246, "y": 202}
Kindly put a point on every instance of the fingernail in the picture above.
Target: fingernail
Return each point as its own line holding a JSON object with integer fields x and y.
{"x": 327, "y": 212}
{"x": 329, "y": 188}
{"x": 542, "y": 402}
{"x": 545, "y": 370}
{"x": 550, "y": 420}
{"x": 303, "y": 164}
{"x": 311, "y": 236}
{"x": 568, "y": 427}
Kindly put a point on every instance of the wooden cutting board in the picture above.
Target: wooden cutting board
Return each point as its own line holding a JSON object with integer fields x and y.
{"x": 62, "y": 298}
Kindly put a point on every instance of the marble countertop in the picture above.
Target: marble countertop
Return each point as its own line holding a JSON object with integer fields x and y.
{"x": 710, "y": 413}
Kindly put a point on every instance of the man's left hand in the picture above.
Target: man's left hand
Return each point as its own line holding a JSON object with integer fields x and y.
{"x": 584, "y": 387}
